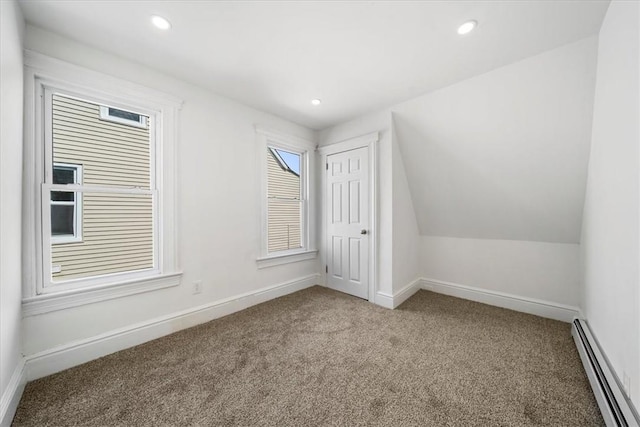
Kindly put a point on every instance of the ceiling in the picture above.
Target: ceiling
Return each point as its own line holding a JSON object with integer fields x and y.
{"x": 356, "y": 56}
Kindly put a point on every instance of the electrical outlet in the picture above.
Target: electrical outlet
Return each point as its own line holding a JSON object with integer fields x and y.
{"x": 197, "y": 287}
{"x": 626, "y": 384}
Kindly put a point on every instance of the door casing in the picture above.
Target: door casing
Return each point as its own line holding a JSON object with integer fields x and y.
{"x": 369, "y": 141}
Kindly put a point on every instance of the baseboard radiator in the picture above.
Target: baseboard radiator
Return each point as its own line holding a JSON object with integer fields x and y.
{"x": 615, "y": 407}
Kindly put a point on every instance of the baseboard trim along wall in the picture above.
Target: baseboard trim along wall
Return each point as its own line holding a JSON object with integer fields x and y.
{"x": 548, "y": 309}
{"x": 76, "y": 353}
{"x": 615, "y": 406}
{"x": 386, "y": 300}
{"x": 12, "y": 394}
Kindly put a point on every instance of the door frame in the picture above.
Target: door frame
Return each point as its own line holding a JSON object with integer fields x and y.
{"x": 368, "y": 141}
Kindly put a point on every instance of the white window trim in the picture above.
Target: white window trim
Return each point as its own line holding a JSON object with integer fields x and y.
{"x": 270, "y": 138}
{"x": 104, "y": 115}
{"x": 77, "y": 208}
{"x": 47, "y": 284}
{"x": 40, "y": 72}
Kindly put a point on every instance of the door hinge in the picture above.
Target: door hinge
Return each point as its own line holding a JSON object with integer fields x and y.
{"x": 326, "y": 268}
{"x": 326, "y": 166}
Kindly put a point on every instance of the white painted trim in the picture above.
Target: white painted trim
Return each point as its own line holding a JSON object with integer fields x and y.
{"x": 12, "y": 394}
{"x": 349, "y": 144}
{"x": 273, "y": 260}
{"x": 75, "y": 353}
{"x": 284, "y": 138}
{"x": 46, "y": 65}
{"x": 369, "y": 141}
{"x": 383, "y": 299}
{"x": 542, "y": 308}
{"x": 389, "y": 301}
{"x": 42, "y": 72}
{"x": 46, "y": 303}
{"x": 265, "y": 139}
{"x": 407, "y": 292}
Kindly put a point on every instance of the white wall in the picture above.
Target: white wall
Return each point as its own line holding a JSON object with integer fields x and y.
{"x": 11, "y": 31}
{"x": 538, "y": 270}
{"x": 219, "y": 231}
{"x": 406, "y": 239}
{"x": 504, "y": 155}
{"x": 610, "y": 231}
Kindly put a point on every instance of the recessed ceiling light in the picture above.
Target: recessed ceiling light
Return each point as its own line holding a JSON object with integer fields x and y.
{"x": 467, "y": 27}
{"x": 160, "y": 22}
{"x": 316, "y": 101}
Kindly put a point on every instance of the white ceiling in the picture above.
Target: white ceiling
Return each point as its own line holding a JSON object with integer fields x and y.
{"x": 356, "y": 56}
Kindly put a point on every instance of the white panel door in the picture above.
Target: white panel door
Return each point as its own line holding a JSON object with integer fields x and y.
{"x": 347, "y": 213}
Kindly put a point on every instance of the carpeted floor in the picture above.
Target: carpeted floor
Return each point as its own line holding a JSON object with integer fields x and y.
{"x": 319, "y": 357}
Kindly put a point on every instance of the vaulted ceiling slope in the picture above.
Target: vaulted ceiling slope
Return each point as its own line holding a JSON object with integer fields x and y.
{"x": 356, "y": 56}
{"x": 504, "y": 155}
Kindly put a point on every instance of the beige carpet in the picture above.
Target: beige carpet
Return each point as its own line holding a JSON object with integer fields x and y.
{"x": 319, "y": 357}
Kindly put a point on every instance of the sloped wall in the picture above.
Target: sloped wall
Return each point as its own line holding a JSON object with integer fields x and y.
{"x": 496, "y": 165}
{"x": 504, "y": 155}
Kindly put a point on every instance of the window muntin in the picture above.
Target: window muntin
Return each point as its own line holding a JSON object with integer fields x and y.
{"x": 286, "y": 204}
{"x": 66, "y": 206}
{"x": 113, "y": 193}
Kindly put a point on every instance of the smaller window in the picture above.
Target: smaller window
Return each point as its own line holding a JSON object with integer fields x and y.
{"x": 285, "y": 200}
{"x": 123, "y": 117}
{"x": 66, "y": 206}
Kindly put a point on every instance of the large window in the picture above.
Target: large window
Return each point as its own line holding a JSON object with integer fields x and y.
{"x": 287, "y": 215}
{"x": 100, "y": 170}
{"x": 101, "y": 181}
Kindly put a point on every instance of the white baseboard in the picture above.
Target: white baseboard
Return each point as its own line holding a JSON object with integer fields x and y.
{"x": 12, "y": 394}
{"x": 548, "y": 309}
{"x": 407, "y": 292}
{"x": 386, "y": 300}
{"x": 66, "y": 356}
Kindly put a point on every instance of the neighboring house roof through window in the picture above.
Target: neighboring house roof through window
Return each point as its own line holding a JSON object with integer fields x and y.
{"x": 289, "y": 162}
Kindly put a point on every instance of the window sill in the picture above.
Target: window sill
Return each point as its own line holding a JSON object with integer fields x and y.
{"x": 46, "y": 303}
{"x": 273, "y": 260}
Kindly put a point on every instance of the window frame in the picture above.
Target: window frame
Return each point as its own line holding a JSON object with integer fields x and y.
{"x": 306, "y": 149}
{"x": 42, "y": 72}
{"x": 76, "y": 237}
{"x": 303, "y": 200}
{"x": 47, "y": 284}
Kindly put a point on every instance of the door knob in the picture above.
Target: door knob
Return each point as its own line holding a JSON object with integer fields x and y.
{"x": 363, "y": 231}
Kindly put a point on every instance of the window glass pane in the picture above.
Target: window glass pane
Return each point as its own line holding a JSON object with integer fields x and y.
{"x": 283, "y": 174}
{"x": 291, "y": 160}
{"x": 284, "y": 224}
{"x": 62, "y": 220}
{"x": 127, "y": 115}
{"x": 63, "y": 175}
{"x": 62, "y": 196}
{"x": 117, "y": 237}
{"x": 111, "y": 154}
{"x": 284, "y": 208}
